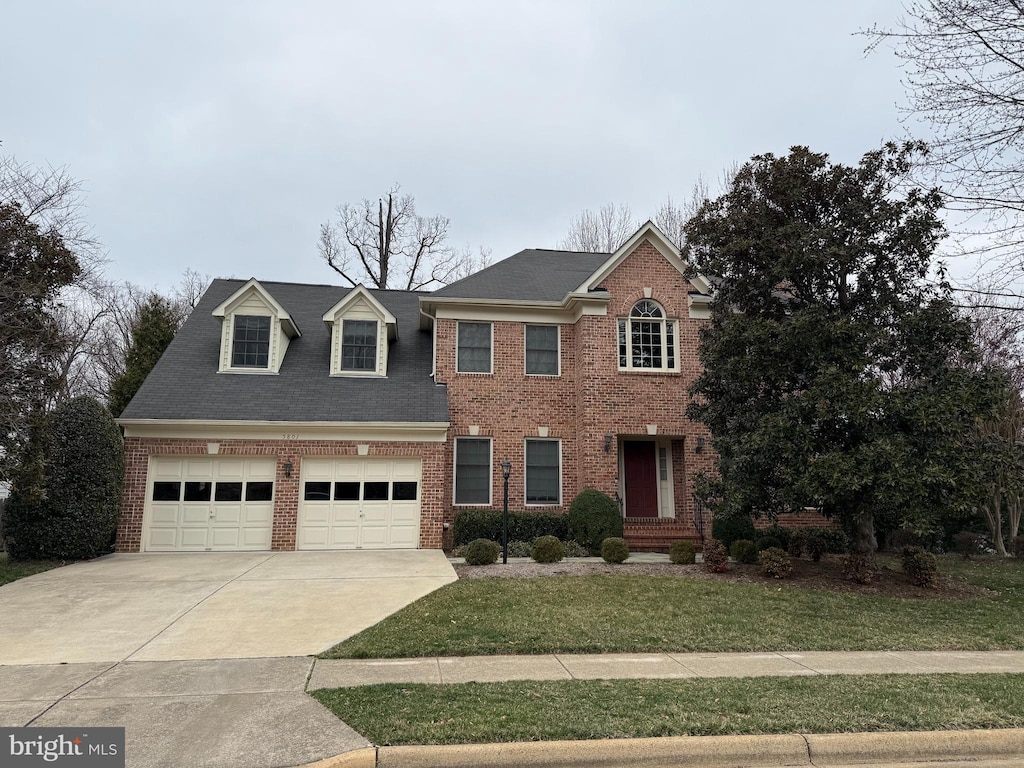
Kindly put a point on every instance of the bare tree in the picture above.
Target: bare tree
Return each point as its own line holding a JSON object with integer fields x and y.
{"x": 964, "y": 64}
{"x": 600, "y": 231}
{"x": 387, "y": 244}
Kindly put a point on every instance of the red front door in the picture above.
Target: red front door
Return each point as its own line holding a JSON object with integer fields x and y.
{"x": 641, "y": 470}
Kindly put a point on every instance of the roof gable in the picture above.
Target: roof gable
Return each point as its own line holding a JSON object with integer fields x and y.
{"x": 652, "y": 234}
{"x": 253, "y": 286}
{"x": 353, "y": 298}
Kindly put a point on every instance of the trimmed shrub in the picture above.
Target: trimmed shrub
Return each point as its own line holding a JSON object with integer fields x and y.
{"x": 481, "y": 552}
{"x": 967, "y": 543}
{"x": 574, "y": 549}
{"x": 614, "y": 550}
{"x": 776, "y": 531}
{"x": 594, "y": 517}
{"x": 547, "y": 549}
{"x": 519, "y": 549}
{"x": 732, "y": 528}
{"x": 817, "y": 542}
{"x": 473, "y": 524}
{"x": 920, "y": 566}
{"x": 775, "y": 563}
{"x": 858, "y": 567}
{"x": 66, "y": 505}
{"x": 797, "y": 543}
{"x": 768, "y": 542}
{"x": 682, "y": 552}
{"x": 716, "y": 558}
{"x": 744, "y": 551}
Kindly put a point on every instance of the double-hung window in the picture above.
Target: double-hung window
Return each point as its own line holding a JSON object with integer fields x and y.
{"x": 359, "y": 345}
{"x": 542, "y": 350}
{"x": 473, "y": 470}
{"x": 250, "y": 346}
{"x": 474, "y": 347}
{"x": 543, "y": 472}
{"x": 647, "y": 340}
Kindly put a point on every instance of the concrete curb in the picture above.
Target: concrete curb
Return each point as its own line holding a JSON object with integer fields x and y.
{"x": 693, "y": 751}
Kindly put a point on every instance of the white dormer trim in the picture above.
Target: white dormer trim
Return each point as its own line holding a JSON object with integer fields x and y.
{"x": 253, "y": 300}
{"x": 650, "y": 232}
{"x": 360, "y": 304}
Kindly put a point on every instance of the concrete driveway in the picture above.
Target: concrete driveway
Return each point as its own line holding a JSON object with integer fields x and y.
{"x": 159, "y": 607}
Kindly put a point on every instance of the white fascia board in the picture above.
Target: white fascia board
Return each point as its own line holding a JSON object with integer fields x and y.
{"x": 568, "y": 310}
{"x": 660, "y": 241}
{"x": 211, "y": 429}
{"x": 289, "y": 325}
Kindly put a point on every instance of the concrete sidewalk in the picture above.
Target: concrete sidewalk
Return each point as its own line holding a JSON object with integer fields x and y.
{"x": 340, "y": 673}
{"x": 255, "y": 713}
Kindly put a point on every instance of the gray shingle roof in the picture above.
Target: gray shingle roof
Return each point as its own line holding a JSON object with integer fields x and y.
{"x": 530, "y": 275}
{"x": 185, "y": 383}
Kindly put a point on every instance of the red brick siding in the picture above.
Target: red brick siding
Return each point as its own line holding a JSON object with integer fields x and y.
{"x": 591, "y": 398}
{"x": 286, "y": 490}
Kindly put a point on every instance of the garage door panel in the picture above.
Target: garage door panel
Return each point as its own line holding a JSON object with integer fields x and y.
{"x": 258, "y": 513}
{"x": 165, "y": 515}
{"x": 191, "y": 514}
{"x": 363, "y": 512}
{"x": 217, "y": 515}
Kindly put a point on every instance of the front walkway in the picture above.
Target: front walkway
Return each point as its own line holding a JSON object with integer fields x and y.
{"x": 339, "y": 673}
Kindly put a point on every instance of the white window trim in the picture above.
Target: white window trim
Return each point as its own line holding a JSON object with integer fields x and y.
{"x": 474, "y": 373}
{"x": 665, "y": 321}
{"x": 490, "y": 472}
{"x": 526, "y": 479}
{"x": 271, "y": 351}
{"x": 558, "y": 346}
{"x": 380, "y": 369}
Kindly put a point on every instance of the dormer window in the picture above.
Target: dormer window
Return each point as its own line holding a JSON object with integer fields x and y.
{"x": 361, "y": 330}
{"x": 251, "y": 345}
{"x": 359, "y": 345}
{"x": 255, "y": 331}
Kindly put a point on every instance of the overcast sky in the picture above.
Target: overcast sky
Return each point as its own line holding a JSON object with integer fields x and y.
{"x": 218, "y": 136}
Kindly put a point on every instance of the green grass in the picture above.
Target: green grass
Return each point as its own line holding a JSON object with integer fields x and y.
{"x": 573, "y": 709}
{"x": 592, "y": 614}
{"x": 19, "y": 569}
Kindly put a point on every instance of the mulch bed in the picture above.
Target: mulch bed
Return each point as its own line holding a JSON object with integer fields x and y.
{"x": 825, "y": 575}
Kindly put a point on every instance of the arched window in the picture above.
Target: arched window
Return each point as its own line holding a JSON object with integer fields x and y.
{"x": 647, "y": 339}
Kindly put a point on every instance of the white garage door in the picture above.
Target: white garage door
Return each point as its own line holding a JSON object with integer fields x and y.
{"x": 357, "y": 503}
{"x": 210, "y": 504}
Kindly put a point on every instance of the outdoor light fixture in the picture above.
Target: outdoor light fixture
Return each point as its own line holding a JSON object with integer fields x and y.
{"x": 506, "y": 470}
{"x": 607, "y": 441}
{"x": 700, "y": 444}
{"x": 288, "y": 469}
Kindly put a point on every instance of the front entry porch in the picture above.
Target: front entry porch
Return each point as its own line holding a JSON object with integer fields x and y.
{"x": 652, "y": 492}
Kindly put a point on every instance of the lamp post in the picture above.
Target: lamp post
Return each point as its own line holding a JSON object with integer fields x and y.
{"x": 506, "y": 470}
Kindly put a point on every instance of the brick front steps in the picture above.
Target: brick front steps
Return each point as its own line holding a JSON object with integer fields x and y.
{"x": 656, "y": 535}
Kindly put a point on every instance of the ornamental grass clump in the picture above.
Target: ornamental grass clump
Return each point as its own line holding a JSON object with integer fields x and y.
{"x": 682, "y": 552}
{"x": 716, "y": 558}
{"x": 744, "y": 551}
{"x": 481, "y": 552}
{"x": 775, "y": 563}
{"x": 614, "y": 550}
{"x": 547, "y": 549}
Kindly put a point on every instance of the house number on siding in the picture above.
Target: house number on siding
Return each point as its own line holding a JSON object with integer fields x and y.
{"x": 290, "y": 436}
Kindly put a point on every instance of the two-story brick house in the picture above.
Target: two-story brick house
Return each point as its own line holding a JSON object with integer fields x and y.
{"x": 289, "y": 416}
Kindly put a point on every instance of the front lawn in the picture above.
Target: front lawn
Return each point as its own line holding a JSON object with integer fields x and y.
{"x": 593, "y": 614}
{"x": 575, "y": 709}
{"x": 19, "y": 569}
